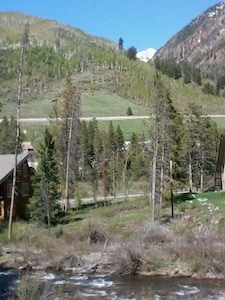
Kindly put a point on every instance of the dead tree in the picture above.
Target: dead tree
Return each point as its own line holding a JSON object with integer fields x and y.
{"x": 24, "y": 44}
{"x": 73, "y": 127}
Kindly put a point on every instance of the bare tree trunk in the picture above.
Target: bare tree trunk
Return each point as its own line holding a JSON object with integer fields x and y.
{"x": 49, "y": 222}
{"x": 67, "y": 204}
{"x": 154, "y": 165}
{"x": 202, "y": 172}
{"x": 94, "y": 184}
{"x": 105, "y": 179}
{"x": 74, "y": 118}
{"x": 171, "y": 188}
{"x": 114, "y": 184}
{"x": 190, "y": 174}
{"x": 124, "y": 178}
{"x": 162, "y": 178}
{"x": 23, "y": 48}
{"x": 45, "y": 195}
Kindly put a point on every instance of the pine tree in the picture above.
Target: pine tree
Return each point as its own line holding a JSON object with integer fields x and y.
{"x": 176, "y": 141}
{"x": 167, "y": 140}
{"x": 196, "y": 76}
{"x": 119, "y": 142}
{"x": 202, "y": 153}
{"x": 136, "y": 161}
{"x": 68, "y": 109}
{"x": 129, "y": 111}
{"x": 120, "y": 44}
{"x": 92, "y": 159}
{"x": 186, "y": 73}
{"x": 111, "y": 138}
{"x": 44, "y": 206}
{"x": 82, "y": 150}
{"x": 131, "y": 53}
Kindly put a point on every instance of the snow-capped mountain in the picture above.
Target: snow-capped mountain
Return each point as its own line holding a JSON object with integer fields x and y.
{"x": 146, "y": 55}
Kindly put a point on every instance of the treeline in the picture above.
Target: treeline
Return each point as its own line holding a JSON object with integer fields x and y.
{"x": 176, "y": 70}
{"x": 190, "y": 74}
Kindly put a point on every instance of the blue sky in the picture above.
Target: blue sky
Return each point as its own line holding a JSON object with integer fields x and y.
{"x": 141, "y": 23}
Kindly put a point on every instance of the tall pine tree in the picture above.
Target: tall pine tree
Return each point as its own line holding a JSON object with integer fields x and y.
{"x": 44, "y": 206}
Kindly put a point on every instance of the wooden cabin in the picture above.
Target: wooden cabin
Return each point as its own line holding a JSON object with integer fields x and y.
{"x": 220, "y": 165}
{"x": 23, "y": 190}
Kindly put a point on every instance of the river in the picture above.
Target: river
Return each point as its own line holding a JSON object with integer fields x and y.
{"x": 71, "y": 286}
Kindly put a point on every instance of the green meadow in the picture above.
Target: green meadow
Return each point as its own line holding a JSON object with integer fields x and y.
{"x": 35, "y": 132}
{"x": 98, "y": 104}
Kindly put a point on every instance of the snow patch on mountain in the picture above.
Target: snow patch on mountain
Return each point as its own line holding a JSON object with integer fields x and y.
{"x": 146, "y": 55}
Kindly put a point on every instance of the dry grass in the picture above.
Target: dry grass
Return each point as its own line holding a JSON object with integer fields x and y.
{"x": 131, "y": 242}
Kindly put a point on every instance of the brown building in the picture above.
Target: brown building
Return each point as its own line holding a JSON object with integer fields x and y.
{"x": 220, "y": 165}
{"x": 23, "y": 190}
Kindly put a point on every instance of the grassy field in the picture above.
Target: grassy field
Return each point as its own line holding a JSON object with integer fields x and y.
{"x": 220, "y": 123}
{"x": 92, "y": 105}
{"x": 136, "y": 211}
{"x": 34, "y": 132}
{"x": 129, "y": 126}
{"x": 105, "y": 105}
{"x": 99, "y": 104}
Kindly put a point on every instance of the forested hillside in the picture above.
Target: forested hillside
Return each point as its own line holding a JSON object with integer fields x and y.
{"x": 93, "y": 63}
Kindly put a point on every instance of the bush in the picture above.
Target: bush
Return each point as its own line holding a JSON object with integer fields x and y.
{"x": 34, "y": 288}
{"x": 128, "y": 258}
{"x": 155, "y": 233}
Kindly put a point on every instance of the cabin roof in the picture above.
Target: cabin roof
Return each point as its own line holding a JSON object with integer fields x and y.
{"x": 7, "y": 163}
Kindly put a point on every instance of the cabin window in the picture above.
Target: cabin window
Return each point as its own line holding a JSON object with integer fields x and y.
{"x": 10, "y": 177}
{"x": 25, "y": 189}
{"x": 1, "y": 209}
{"x": 24, "y": 170}
{"x": 9, "y": 190}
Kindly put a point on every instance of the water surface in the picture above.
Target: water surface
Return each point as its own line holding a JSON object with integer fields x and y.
{"x": 71, "y": 286}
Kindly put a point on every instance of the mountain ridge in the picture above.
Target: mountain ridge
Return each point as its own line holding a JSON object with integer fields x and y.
{"x": 201, "y": 42}
{"x": 65, "y": 33}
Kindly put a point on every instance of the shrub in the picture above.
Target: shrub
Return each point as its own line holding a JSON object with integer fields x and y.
{"x": 154, "y": 233}
{"x": 34, "y": 288}
{"x": 128, "y": 258}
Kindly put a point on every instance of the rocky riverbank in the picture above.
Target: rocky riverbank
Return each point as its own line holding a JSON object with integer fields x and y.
{"x": 94, "y": 263}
